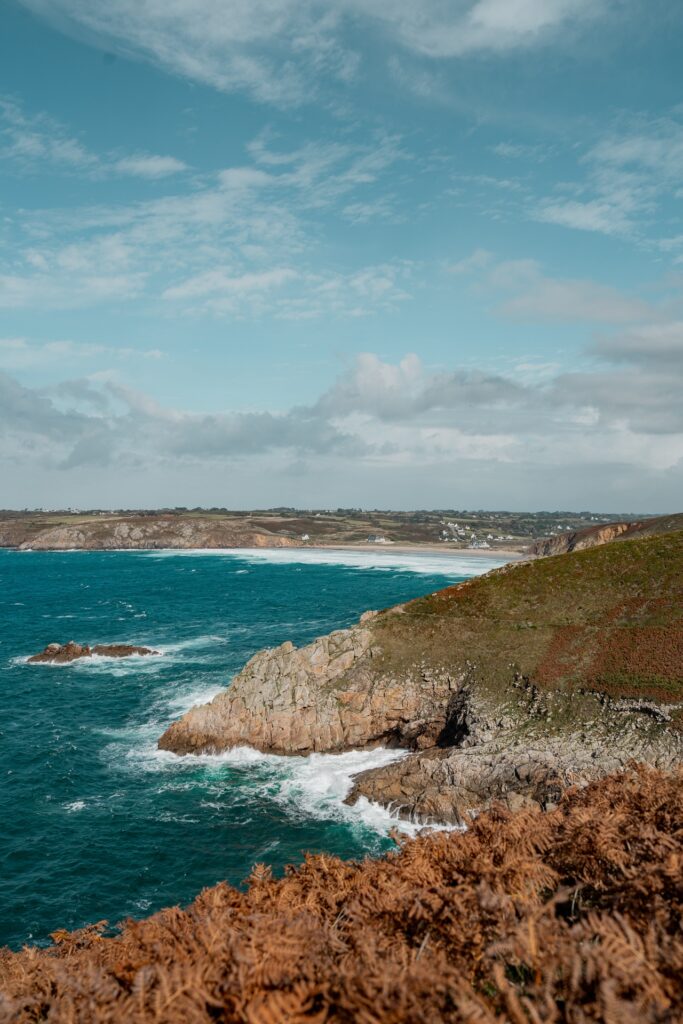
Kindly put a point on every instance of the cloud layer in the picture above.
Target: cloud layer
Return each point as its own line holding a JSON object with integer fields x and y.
{"x": 622, "y": 420}
{"x": 278, "y": 50}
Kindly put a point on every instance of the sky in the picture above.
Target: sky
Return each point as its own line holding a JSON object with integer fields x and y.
{"x": 327, "y": 253}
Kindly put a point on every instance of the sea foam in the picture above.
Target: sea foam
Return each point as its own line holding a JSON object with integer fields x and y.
{"x": 454, "y": 563}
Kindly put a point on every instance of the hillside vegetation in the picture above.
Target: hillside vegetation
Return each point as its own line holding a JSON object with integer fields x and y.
{"x": 609, "y": 618}
{"x": 567, "y": 917}
{"x": 505, "y": 687}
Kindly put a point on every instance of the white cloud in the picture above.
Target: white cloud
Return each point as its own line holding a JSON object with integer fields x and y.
{"x": 68, "y": 291}
{"x": 33, "y": 140}
{"x": 243, "y": 241}
{"x": 279, "y": 50}
{"x": 574, "y": 301}
{"x": 23, "y": 354}
{"x": 289, "y": 294}
{"x": 479, "y": 259}
{"x": 376, "y": 414}
{"x": 143, "y": 165}
{"x": 661, "y": 343}
{"x": 443, "y": 30}
{"x": 221, "y": 282}
{"x": 647, "y": 144}
{"x": 539, "y": 297}
{"x": 627, "y": 175}
{"x": 600, "y": 215}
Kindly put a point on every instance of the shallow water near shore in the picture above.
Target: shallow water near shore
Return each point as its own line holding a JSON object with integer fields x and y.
{"x": 96, "y": 823}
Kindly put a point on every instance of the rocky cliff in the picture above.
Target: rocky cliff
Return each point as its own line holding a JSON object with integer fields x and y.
{"x": 509, "y": 685}
{"x": 593, "y": 536}
{"x": 327, "y": 696}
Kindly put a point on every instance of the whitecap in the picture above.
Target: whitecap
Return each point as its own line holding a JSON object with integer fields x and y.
{"x": 303, "y": 787}
{"x": 452, "y": 563}
{"x": 183, "y": 701}
{"x": 195, "y": 642}
{"x": 75, "y": 805}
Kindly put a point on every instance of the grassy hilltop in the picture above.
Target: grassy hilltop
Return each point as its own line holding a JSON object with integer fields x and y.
{"x": 609, "y": 618}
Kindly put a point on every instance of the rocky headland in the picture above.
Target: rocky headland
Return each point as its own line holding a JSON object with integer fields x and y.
{"x": 138, "y": 532}
{"x": 592, "y": 536}
{"x": 61, "y": 654}
{"x": 509, "y": 687}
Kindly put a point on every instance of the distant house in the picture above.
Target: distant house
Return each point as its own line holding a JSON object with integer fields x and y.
{"x": 304, "y": 536}
{"x": 376, "y": 538}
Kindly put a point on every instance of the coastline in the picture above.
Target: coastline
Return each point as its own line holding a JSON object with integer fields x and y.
{"x": 385, "y": 549}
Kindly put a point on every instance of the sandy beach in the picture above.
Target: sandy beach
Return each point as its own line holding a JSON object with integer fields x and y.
{"x": 427, "y": 549}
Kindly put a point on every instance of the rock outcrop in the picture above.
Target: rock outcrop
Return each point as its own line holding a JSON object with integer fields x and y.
{"x": 593, "y": 536}
{"x": 327, "y": 696}
{"x": 526, "y": 756}
{"x": 62, "y": 653}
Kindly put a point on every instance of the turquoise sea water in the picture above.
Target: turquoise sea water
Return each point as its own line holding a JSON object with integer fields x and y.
{"x": 95, "y": 822}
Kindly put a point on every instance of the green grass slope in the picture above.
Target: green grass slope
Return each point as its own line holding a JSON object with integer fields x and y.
{"x": 608, "y": 618}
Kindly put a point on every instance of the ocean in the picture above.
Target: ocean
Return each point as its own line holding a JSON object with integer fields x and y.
{"x": 95, "y": 822}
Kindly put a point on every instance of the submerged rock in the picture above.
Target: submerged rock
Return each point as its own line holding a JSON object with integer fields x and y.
{"x": 71, "y": 651}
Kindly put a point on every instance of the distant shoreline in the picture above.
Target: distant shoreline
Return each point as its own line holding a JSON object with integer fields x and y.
{"x": 388, "y": 549}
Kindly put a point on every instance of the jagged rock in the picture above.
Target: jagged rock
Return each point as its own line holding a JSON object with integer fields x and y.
{"x": 326, "y": 696}
{"x": 71, "y": 651}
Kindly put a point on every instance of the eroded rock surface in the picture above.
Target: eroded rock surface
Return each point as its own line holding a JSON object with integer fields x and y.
{"x": 327, "y": 696}
{"x": 71, "y": 651}
{"x": 525, "y": 757}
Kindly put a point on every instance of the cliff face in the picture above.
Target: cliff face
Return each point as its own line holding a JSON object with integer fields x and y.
{"x": 593, "y": 536}
{"x": 138, "y": 532}
{"x": 327, "y": 696}
{"x": 507, "y": 685}
{"x": 533, "y": 750}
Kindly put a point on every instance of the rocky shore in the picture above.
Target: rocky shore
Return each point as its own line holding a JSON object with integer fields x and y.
{"x": 327, "y": 696}
{"x": 507, "y": 687}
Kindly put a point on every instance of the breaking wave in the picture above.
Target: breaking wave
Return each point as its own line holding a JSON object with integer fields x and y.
{"x": 455, "y": 563}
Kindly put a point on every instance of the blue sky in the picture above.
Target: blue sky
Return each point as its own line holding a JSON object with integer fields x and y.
{"x": 264, "y": 252}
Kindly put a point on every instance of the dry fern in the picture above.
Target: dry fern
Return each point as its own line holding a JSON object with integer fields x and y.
{"x": 569, "y": 917}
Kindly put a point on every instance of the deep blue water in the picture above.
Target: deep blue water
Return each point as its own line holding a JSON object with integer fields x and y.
{"x": 95, "y": 823}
